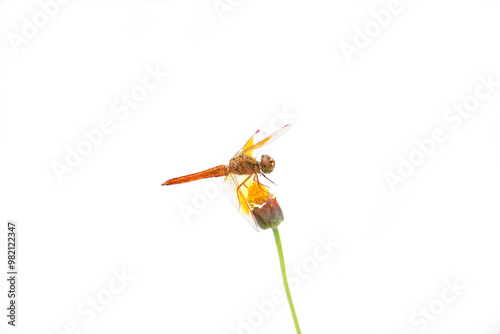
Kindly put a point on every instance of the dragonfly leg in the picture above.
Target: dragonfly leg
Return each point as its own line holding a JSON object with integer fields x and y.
{"x": 256, "y": 179}
{"x": 268, "y": 179}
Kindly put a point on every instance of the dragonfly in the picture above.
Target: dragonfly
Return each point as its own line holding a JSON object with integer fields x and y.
{"x": 251, "y": 198}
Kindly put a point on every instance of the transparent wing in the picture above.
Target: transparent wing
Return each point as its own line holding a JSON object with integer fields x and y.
{"x": 237, "y": 195}
{"x": 253, "y": 144}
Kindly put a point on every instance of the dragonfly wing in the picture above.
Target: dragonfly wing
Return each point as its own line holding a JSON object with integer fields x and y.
{"x": 252, "y": 140}
{"x": 237, "y": 196}
{"x": 257, "y": 136}
{"x": 252, "y": 144}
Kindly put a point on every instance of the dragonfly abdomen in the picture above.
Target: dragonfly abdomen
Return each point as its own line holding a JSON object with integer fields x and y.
{"x": 212, "y": 172}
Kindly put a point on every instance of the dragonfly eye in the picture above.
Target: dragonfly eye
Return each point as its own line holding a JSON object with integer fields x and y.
{"x": 266, "y": 164}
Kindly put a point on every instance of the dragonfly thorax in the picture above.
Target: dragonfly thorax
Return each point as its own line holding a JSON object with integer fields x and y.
{"x": 246, "y": 165}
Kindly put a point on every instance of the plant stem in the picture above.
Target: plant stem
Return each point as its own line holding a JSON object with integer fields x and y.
{"x": 285, "y": 281}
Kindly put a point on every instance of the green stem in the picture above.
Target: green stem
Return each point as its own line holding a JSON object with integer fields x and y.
{"x": 285, "y": 281}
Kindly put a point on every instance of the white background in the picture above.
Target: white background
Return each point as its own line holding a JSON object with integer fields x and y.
{"x": 230, "y": 74}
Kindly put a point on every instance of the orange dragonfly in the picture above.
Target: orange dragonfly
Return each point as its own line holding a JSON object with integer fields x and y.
{"x": 252, "y": 198}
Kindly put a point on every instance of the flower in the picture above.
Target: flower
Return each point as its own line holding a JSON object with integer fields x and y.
{"x": 264, "y": 206}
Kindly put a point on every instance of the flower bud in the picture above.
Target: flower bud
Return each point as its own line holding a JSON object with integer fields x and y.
{"x": 268, "y": 214}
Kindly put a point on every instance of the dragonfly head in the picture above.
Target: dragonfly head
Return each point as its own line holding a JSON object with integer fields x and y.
{"x": 266, "y": 164}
